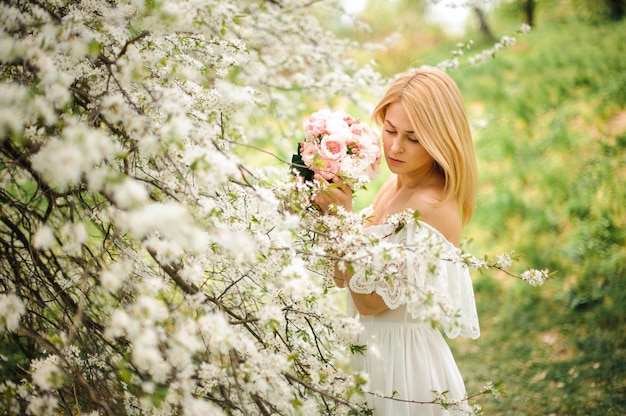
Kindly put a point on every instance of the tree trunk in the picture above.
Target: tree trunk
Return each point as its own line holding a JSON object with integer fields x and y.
{"x": 529, "y": 9}
{"x": 484, "y": 27}
{"x": 617, "y": 9}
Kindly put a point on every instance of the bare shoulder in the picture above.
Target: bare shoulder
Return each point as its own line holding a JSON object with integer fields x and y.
{"x": 384, "y": 189}
{"x": 445, "y": 218}
{"x": 383, "y": 193}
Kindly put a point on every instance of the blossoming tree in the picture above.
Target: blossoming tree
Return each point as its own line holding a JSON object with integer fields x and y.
{"x": 144, "y": 268}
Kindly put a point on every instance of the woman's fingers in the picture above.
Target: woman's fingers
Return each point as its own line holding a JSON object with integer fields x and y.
{"x": 345, "y": 188}
{"x": 339, "y": 194}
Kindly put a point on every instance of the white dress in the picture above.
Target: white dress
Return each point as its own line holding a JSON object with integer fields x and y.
{"x": 406, "y": 357}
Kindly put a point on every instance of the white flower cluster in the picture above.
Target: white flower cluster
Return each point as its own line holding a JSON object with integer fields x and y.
{"x": 482, "y": 57}
{"x": 525, "y": 28}
{"x": 140, "y": 323}
{"x": 535, "y": 277}
{"x": 44, "y": 238}
{"x": 62, "y": 161}
{"x": 431, "y": 306}
{"x": 42, "y": 405}
{"x": 113, "y": 276}
{"x": 504, "y": 260}
{"x": 487, "y": 54}
{"x": 128, "y": 115}
{"x": 297, "y": 281}
{"x": 11, "y": 311}
{"x": 454, "y": 63}
{"x": 456, "y": 407}
{"x": 474, "y": 262}
{"x": 46, "y": 374}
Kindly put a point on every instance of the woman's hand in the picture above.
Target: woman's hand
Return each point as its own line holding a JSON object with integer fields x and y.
{"x": 338, "y": 193}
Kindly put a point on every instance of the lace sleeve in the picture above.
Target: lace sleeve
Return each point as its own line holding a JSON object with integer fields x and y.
{"x": 427, "y": 274}
{"x": 393, "y": 291}
{"x": 439, "y": 286}
{"x": 382, "y": 277}
{"x": 461, "y": 296}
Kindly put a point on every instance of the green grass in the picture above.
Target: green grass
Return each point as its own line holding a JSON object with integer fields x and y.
{"x": 553, "y": 168}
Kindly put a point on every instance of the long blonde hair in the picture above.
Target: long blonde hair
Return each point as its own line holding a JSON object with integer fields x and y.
{"x": 435, "y": 108}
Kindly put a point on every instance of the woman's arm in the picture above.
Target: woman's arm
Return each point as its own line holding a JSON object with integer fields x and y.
{"x": 366, "y": 304}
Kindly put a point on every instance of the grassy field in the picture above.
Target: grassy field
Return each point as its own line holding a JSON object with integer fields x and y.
{"x": 552, "y": 159}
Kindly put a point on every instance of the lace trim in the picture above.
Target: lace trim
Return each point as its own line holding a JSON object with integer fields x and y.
{"x": 426, "y": 274}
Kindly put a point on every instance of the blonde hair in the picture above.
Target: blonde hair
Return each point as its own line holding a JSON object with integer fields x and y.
{"x": 434, "y": 106}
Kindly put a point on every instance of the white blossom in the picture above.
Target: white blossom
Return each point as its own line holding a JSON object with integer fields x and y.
{"x": 114, "y": 275}
{"x": 11, "y": 311}
{"x": 239, "y": 244}
{"x": 44, "y": 405}
{"x": 199, "y": 407}
{"x": 73, "y": 235}
{"x": 121, "y": 323}
{"x": 12, "y": 95}
{"x": 129, "y": 193}
{"x": 164, "y": 251}
{"x": 473, "y": 262}
{"x": 46, "y": 373}
{"x": 149, "y": 310}
{"x": 297, "y": 282}
{"x": 147, "y": 356}
{"x": 60, "y": 164}
{"x": 62, "y": 161}
{"x": 44, "y": 238}
{"x": 271, "y": 313}
{"x": 347, "y": 329}
{"x": 184, "y": 342}
{"x": 171, "y": 221}
{"x": 535, "y": 277}
{"x": 192, "y": 273}
{"x": 504, "y": 260}
{"x": 216, "y": 328}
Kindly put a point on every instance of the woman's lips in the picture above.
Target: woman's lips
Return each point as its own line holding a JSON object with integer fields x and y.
{"x": 394, "y": 161}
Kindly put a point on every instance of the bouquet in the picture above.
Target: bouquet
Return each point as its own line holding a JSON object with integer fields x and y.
{"x": 337, "y": 144}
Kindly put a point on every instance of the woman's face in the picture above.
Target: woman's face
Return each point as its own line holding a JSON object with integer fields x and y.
{"x": 403, "y": 152}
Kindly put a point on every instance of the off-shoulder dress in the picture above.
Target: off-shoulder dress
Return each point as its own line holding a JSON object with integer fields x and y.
{"x": 406, "y": 358}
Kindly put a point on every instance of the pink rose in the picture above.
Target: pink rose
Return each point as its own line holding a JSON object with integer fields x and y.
{"x": 357, "y": 130}
{"x": 317, "y": 124}
{"x": 350, "y": 121}
{"x": 308, "y": 151}
{"x": 332, "y": 148}
{"x": 314, "y": 129}
{"x": 354, "y": 165}
{"x": 328, "y": 168}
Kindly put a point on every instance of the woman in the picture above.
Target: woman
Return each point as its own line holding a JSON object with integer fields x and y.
{"x": 428, "y": 148}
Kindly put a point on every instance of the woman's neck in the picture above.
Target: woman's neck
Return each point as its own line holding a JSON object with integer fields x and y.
{"x": 429, "y": 177}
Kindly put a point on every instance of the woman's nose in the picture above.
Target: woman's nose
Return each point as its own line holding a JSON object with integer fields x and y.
{"x": 396, "y": 144}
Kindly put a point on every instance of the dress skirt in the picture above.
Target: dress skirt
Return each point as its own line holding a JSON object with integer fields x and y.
{"x": 406, "y": 361}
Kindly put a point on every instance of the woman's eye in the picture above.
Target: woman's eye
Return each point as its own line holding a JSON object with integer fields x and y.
{"x": 390, "y": 132}
{"x": 413, "y": 140}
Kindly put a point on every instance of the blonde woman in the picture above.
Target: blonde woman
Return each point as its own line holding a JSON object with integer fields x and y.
{"x": 429, "y": 151}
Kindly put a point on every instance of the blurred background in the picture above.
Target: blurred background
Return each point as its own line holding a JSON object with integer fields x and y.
{"x": 549, "y": 124}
